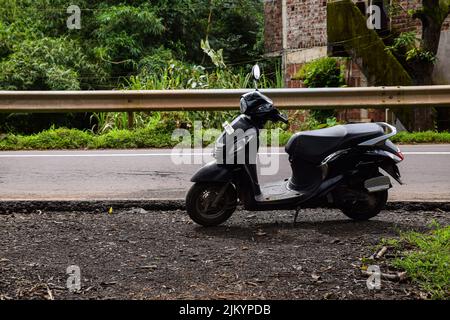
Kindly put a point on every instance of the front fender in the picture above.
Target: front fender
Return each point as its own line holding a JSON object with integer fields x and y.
{"x": 212, "y": 172}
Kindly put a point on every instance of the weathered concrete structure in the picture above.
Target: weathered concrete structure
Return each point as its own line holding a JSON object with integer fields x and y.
{"x": 299, "y": 31}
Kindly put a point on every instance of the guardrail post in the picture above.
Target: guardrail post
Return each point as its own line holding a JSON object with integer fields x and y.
{"x": 130, "y": 119}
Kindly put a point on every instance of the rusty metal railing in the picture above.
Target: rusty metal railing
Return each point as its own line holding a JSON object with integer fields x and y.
{"x": 177, "y": 100}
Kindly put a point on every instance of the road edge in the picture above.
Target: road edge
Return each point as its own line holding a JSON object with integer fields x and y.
{"x": 96, "y": 206}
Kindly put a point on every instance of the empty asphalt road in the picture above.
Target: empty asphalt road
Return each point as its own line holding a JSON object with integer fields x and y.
{"x": 154, "y": 174}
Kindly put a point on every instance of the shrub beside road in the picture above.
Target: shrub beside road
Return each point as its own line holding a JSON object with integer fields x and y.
{"x": 155, "y": 137}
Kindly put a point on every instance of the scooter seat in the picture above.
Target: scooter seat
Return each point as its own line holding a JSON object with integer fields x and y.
{"x": 313, "y": 146}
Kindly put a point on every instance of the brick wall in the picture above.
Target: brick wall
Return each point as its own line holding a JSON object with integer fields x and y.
{"x": 307, "y": 28}
{"x": 291, "y": 70}
{"x": 307, "y": 23}
{"x": 402, "y": 21}
{"x": 273, "y": 39}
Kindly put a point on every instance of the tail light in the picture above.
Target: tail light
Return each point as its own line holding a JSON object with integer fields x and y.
{"x": 400, "y": 154}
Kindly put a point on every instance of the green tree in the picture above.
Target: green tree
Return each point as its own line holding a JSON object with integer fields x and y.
{"x": 119, "y": 36}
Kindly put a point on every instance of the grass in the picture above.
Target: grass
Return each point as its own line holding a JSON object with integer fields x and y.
{"x": 421, "y": 137}
{"x": 154, "y": 137}
{"x": 426, "y": 259}
{"x": 62, "y": 138}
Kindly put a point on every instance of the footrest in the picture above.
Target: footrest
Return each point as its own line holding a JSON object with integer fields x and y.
{"x": 277, "y": 191}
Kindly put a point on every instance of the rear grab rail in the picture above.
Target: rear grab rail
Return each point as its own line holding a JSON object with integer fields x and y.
{"x": 377, "y": 140}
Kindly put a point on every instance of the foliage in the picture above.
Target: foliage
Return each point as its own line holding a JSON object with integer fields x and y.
{"x": 314, "y": 123}
{"x": 48, "y": 139}
{"x": 47, "y": 64}
{"x": 139, "y": 44}
{"x": 63, "y": 138}
{"x": 323, "y": 72}
{"x": 426, "y": 259}
{"x": 156, "y": 135}
{"x": 408, "y": 45}
{"x": 117, "y": 38}
{"x": 176, "y": 74}
{"x": 320, "y": 73}
{"x": 422, "y": 137}
{"x": 216, "y": 56}
{"x": 404, "y": 40}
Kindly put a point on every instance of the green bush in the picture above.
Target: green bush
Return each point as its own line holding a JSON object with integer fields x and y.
{"x": 422, "y": 137}
{"x": 139, "y": 138}
{"x": 321, "y": 73}
{"x": 49, "y": 139}
{"x": 128, "y": 44}
{"x": 157, "y": 136}
{"x": 47, "y": 64}
{"x": 158, "y": 74}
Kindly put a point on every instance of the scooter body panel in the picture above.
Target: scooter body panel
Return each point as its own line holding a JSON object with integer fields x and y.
{"x": 212, "y": 172}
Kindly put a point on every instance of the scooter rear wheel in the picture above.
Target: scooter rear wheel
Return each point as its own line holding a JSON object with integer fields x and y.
{"x": 365, "y": 205}
{"x": 203, "y": 206}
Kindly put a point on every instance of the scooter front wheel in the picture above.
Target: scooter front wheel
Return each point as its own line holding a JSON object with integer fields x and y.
{"x": 210, "y": 204}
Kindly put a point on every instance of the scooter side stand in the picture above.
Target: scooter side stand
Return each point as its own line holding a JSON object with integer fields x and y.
{"x": 297, "y": 211}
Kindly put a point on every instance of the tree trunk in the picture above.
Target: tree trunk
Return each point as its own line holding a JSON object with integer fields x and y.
{"x": 432, "y": 17}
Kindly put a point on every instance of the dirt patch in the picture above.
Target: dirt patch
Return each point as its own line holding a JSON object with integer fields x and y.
{"x": 139, "y": 254}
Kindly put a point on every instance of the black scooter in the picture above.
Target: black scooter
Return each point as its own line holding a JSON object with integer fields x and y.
{"x": 337, "y": 167}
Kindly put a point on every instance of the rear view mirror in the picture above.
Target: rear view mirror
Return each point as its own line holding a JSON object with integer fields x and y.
{"x": 256, "y": 72}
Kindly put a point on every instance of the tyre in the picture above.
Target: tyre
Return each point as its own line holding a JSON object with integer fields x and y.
{"x": 202, "y": 207}
{"x": 361, "y": 205}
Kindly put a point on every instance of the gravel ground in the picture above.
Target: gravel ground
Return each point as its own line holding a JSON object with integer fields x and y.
{"x": 139, "y": 254}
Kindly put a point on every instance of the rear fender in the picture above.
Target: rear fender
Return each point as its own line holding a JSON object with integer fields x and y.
{"x": 347, "y": 159}
{"x": 388, "y": 162}
{"x": 391, "y": 168}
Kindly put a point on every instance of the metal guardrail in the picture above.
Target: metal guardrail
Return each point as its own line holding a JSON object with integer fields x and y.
{"x": 177, "y": 100}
